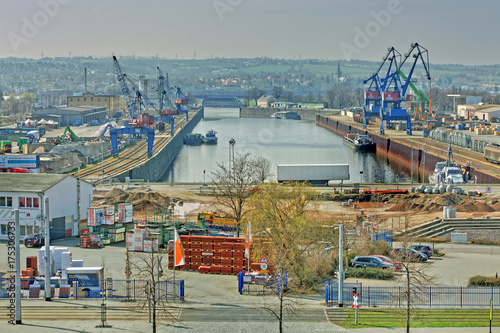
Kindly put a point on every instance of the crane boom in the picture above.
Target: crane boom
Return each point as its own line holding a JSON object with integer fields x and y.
{"x": 124, "y": 88}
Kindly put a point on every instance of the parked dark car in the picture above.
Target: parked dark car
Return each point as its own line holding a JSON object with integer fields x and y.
{"x": 426, "y": 249}
{"x": 405, "y": 253}
{"x": 34, "y": 240}
{"x": 369, "y": 261}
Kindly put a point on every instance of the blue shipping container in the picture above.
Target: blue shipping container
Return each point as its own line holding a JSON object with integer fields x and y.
{"x": 459, "y": 127}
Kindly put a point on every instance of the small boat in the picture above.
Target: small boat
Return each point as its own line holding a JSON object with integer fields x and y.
{"x": 194, "y": 139}
{"x": 447, "y": 172}
{"x": 211, "y": 138}
{"x": 359, "y": 142}
{"x": 286, "y": 115}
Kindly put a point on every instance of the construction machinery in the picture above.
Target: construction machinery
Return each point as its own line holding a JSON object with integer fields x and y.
{"x": 68, "y": 134}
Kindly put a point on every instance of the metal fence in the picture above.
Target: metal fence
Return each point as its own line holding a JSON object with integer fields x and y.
{"x": 432, "y": 296}
{"x": 91, "y": 289}
{"x": 261, "y": 284}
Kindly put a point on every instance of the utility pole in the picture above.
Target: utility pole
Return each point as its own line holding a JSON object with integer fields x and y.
{"x": 48, "y": 290}
{"x": 341, "y": 266}
{"x": 18, "y": 267}
{"x": 412, "y": 162}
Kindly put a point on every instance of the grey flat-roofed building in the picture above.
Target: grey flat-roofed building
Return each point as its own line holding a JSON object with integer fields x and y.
{"x": 68, "y": 115}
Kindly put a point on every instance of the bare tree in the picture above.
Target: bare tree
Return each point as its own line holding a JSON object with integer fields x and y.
{"x": 232, "y": 185}
{"x": 262, "y": 168}
{"x": 416, "y": 278}
{"x": 255, "y": 93}
{"x": 277, "y": 92}
{"x": 288, "y": 96}
{"x": 128, "y": 273}
{"x": 149, "y": 268}
{"x": 330, "y": 97}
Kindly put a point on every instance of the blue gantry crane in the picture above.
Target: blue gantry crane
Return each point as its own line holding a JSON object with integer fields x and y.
{"x": 388, "y": 93}
{"x": 378, "y": 84}
{"x": 181, "y": 101}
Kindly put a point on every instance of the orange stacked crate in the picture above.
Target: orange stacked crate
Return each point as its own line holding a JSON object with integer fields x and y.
{"x": 32, "y": 262}
{"x": 204, "y": 269}
{"x": 215, "y": 269}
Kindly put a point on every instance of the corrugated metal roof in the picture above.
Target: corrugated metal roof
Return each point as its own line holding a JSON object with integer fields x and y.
{"x": 28, "y": 182}
{"x": 490, "y": 109}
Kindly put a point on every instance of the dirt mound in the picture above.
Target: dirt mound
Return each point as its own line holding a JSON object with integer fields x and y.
{"x": 116, "y": 192}
{"x": 140, "y": 200}
{"x": 435, "y": 203}
{"x": 474, "y": 207}
{"x": 496, "y": 206}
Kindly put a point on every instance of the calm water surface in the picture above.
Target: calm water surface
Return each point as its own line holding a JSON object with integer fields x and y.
{"x": 282, "y": 142}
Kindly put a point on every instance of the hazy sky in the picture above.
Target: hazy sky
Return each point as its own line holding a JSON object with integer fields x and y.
{"x": 454, "y": 31}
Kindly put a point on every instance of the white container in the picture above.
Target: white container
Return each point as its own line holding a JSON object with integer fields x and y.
{"x": 446, "y": 212}
{"x": 66, "y": 260}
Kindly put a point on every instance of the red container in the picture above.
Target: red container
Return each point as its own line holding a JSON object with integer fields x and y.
{"x": 32, "y": 262}
{"x": 371, "y": 95}
{"x": 389, "y": 96}
{"x": 185, "y": 238}
{"x": 25, "y": 282}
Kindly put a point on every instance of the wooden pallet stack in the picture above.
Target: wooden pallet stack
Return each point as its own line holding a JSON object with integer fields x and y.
{"x": 209, "y": 254}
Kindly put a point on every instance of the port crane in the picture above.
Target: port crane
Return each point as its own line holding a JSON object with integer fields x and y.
{"x": 377, "y": 84}
{"x": 124, "y": 87}
{"x": 181, "y": 101}
{"x": 165, "y": 93}
{"x": 418, "y": 52}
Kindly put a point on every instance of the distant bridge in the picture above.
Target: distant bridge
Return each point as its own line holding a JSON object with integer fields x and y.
{"x": 221, "y": 107}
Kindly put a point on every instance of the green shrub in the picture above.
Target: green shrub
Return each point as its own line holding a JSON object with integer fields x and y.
{"x": 484, "y": 281}
{"x": 370, "y": 273}
{"x": 381, "y": 247}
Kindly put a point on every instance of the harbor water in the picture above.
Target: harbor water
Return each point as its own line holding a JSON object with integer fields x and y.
{"x": 281, "y": 142}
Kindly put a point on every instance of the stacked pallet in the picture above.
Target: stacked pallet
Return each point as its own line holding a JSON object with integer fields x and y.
{"x": 32, "y": 262}
{"x": 141, "y": 241}
{"x": 208, "y": 254}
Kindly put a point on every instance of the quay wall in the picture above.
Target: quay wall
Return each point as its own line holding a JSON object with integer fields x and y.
{"x": 399, "y": 151}
{"x": 156, "y": 166}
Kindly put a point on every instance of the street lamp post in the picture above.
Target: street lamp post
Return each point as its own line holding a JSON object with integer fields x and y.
{"x": 423, "y": 167}
{"x": 102, "y": 161}
{"x": 412, "y": 162}
{"x": 341, "y": 266}
{"x": 232, "y": 142}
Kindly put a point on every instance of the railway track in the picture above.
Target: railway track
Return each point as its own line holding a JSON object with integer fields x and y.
{"x": 128, "y": 158}
{"x": 93, "y": 313}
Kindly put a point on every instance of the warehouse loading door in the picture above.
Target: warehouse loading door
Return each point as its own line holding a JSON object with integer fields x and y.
{"x": 58, "y": 228}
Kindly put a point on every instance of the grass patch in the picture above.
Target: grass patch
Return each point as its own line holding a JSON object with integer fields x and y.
{"x": 483, "y": 281}
{"x": 370, "y": 273}
{"x": 421, "y": 318}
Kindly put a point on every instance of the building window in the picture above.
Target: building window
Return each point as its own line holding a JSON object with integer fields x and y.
{"x": 37, "y": 229}
{"x": 71, "y": 99}
{"x": 99, "y": 99}
{"x": 78, "y": 100}
{"x": 85, "y": 99}
{"x": 5, "y": 201}
{"x": 28, "y": 202}
{"x": 91, "y": 99}
{"x": 3, "y": 230}
{"x": 30, "y": 229}
{"x": 23, "y": 230}
{"x": 106, "y": 99}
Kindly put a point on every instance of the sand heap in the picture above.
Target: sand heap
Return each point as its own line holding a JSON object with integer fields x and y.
{"x": 140, "y": 200}
{"x": 435, "y": 203}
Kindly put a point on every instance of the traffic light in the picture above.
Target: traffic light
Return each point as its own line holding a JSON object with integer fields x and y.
{"x": 355, "y": 290}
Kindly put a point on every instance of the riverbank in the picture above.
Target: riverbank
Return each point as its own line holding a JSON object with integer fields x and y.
{"x": 422, "y": 153}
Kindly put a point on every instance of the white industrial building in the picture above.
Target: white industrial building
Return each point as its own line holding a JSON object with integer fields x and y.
{"x": 27, "y": 192}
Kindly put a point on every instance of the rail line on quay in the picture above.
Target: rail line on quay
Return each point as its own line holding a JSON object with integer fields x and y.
{"x": 128, "y": 158}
